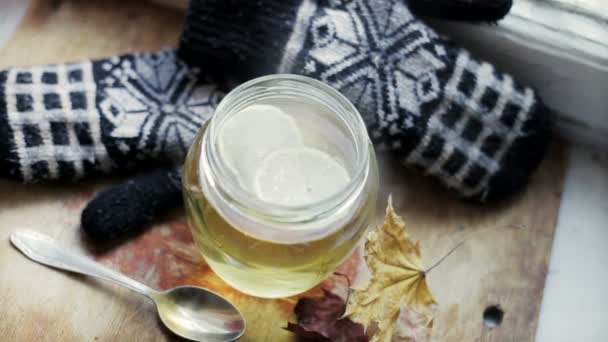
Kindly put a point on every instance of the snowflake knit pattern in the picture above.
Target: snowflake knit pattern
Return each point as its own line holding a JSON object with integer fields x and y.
{"x": 67, "y": 121}
{"x": 434, "y": 105}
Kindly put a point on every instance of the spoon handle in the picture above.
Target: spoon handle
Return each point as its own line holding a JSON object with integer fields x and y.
{"x": 46, "y": 251}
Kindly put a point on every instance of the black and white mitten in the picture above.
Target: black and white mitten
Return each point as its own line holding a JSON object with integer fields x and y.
{"x": 433, "y": 104}
{"x": 68, "y": 121}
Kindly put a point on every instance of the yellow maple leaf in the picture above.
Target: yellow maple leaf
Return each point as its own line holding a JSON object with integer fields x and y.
{"x": 397, "y": 279}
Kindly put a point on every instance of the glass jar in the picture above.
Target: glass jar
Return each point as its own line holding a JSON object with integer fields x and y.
{"x": 268, "y": 249}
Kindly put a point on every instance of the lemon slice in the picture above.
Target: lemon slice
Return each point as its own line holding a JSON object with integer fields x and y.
{"x": 299, "y": 176}
{"x": 251, "y": 134}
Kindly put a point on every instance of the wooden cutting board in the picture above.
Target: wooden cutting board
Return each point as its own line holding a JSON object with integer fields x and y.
{"x": 503, "y": 263}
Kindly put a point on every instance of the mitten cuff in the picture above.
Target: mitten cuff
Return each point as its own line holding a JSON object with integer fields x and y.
{"x": 523, "y": 157}
{"x": 245, "y": 38}
{"x": 9, "y": 167}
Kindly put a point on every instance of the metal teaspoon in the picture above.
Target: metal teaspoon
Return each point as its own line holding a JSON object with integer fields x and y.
{"x": 191, "y": 312}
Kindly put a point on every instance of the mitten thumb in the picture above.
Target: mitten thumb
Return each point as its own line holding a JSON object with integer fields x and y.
{"x": 127, "y": 208}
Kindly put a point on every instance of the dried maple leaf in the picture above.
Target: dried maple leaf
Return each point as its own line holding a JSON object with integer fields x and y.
{"x": 320, "y": 319}
{"x": 397, "y": 279}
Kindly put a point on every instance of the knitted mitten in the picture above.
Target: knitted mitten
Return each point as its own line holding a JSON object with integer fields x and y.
{"x": 68, "y": 121}
{"x": 431, "y": 103}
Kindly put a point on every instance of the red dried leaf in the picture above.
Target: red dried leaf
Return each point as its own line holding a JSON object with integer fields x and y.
{"x": 320, "y": 319}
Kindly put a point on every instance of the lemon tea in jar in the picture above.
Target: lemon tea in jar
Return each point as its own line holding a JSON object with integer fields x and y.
{"x": 280, "y": 185}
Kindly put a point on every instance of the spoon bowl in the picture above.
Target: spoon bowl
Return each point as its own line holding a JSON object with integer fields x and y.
{"x": 199, "y": 314}
{"x": 191, "y": 312}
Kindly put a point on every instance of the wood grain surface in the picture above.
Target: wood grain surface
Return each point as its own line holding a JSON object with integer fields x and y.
{"x": 503, "y": 261}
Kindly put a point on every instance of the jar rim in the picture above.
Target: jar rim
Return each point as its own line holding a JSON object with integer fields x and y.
{"x": 305, "y": 86}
